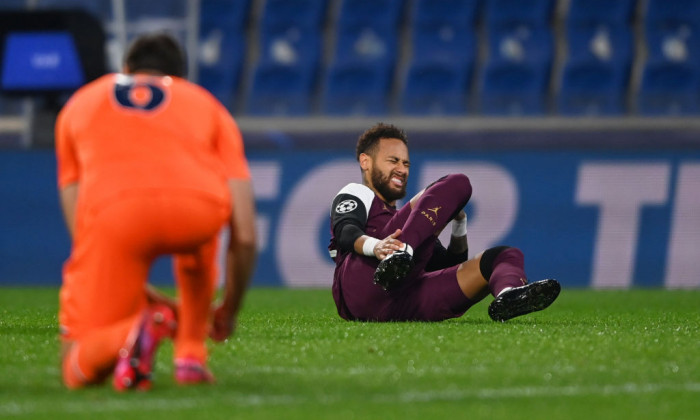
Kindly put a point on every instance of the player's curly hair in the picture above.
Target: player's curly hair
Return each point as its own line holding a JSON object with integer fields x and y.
{"x": 156, "y": 52}
{"x": 367, "y": 143}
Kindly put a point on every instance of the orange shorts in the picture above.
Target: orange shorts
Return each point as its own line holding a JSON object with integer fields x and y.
{"x": 116, "y": 244}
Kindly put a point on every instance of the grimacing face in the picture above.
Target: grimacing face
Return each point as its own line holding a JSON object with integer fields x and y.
{"x": 389, "y": 169}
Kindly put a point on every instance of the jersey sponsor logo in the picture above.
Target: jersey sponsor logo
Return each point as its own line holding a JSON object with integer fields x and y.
{"x": 346, "y": 206}
{"x": 139, "y": 94}
{"x": 431, "y": 219}
{"x": 435, "y": 210}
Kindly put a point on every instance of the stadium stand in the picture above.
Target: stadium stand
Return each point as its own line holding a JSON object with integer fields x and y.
{"x": 222, "y": 48}
{"x": 516, "y": 75}
{"x": 596, "y": 73}
{"x": 428, "y": 57}
{"x": 670, "y": 79}
{"x": 600, "y": 12}
{"x": 372, "y": 13}
{"x": 285, "y": 13}
{"x": 359, "y": 78}
{"x": 509, "y": 13}
{"x": 289, "y": 56}
{"x": 443, "y": 52}
{"x": 446, "y": 11}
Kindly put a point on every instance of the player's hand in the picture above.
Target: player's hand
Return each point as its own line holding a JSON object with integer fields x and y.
{"x": 388, "y": 245}
{"x": 223, "y": 324}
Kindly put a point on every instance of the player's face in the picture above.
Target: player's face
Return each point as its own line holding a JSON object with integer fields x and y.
{"x": 389, "y": 171}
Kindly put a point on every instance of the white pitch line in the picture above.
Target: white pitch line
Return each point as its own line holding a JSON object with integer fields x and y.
{"x": 251, "y": 400}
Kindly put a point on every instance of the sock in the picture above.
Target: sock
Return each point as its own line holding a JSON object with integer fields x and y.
{"x": 92, "y": 358}
{"x": 435, "y": 208}
{"x": 508, "y": 271}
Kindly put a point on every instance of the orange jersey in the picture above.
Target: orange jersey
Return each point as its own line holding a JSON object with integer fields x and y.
{"x": 125, "y": 134}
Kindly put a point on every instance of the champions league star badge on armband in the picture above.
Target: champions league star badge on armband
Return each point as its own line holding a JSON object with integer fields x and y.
{"x": 346, "y": 206}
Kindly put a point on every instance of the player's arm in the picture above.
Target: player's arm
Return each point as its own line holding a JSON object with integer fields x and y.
{"x": 458, "y": 239}
{"x": 240, "y": 258}
{"x": 457, "y": 251}
{"x": 68, "y": 196}
{"x": 349, "y": 213}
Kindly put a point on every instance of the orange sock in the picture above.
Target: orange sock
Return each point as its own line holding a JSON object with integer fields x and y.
{"x": 91, "y": 359}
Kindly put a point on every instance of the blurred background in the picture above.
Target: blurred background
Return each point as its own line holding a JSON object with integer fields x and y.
{"x": 576, "y": 120}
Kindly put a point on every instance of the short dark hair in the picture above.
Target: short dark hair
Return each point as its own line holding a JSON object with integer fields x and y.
{"x": 159, "y": 52}
{"x": 367, "y": 143}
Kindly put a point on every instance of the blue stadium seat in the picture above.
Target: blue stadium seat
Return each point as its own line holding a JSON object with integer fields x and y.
{"x": 279, "y": 90}
{"x": 596, "y": 73}
{"x": 285, "y": 13}
{"x": 374, "y": 13}
{"x": 357, "y": 89}
{"x": 222, "y": 47}
{"x": 283, "y": 80}
{"x": 291, "y": 46}
{"x": 514, "y": 88}
{"x": 456, "y": 12}
{"x": 443, "y": 41}
{"x": 365, "y": 44}
{"x": 358, "y": 80}
{"x": 608, "y": 44}
{"x": 220, "y": 64}
{"x": 671, "y": 14}
{"x": 436, "y": 88}
{"x": 592, "y": 88}
{"x": 507, "y": 13}
{"x": 515, "y": 78}
{"x": 520, "y": 43}
{"x": 669, "y": 88}
{"x": 597, "y": 12}
{"x": 233, "y": 13}
{"x": 675, "y": 44}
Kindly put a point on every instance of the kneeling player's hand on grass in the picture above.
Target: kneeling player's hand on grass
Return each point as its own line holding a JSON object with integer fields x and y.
{"x": 223, "y": 324}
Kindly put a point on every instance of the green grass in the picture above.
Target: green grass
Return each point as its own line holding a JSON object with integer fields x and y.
{"x": 592, "y": 355}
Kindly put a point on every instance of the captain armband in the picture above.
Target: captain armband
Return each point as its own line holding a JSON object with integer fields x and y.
{"x": 368, "y": 246}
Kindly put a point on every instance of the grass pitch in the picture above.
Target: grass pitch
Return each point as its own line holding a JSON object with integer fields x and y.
{"x": 591, "y": 355}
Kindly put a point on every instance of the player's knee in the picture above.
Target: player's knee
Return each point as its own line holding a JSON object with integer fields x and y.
{"x": 488, "y": 258}
{"x": 459, "y": 183}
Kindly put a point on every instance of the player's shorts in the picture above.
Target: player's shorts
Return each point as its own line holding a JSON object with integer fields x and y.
{"x": 426, "y": 296}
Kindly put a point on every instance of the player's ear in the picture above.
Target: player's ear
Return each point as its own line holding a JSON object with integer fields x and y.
{"x": 365, "y": 161}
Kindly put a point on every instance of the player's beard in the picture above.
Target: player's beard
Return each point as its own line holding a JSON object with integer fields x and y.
{"x": 383, "y": 185}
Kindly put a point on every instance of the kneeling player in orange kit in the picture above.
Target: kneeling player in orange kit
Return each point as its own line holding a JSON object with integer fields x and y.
{"x": 149, "y": 164}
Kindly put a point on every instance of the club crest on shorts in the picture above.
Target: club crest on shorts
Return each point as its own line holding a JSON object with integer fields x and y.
{"x": 346, "y": 206}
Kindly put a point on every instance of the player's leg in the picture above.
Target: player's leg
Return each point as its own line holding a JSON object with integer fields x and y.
{"x": 196, "y": 277}
{"x": 435, "y": 207}
{"x": 501, "y": 271}
{"x": 193, "y": 225}
{"x": 421, "y": 220}
{"x": 430, "y": 296}
{"x": 91, "y": 359}
{"x": 103, "y": 296}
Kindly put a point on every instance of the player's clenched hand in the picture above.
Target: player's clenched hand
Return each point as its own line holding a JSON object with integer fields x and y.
{"x": 388, "y": 245}
{"x": 223, "y": 324}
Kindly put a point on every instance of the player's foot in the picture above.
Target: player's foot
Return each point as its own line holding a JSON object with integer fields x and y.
{"x": 135, "y": 362}
{"x": 189, "y": 371}
{"x": 392, "y": 269}
{"x": 524, "y": 299}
